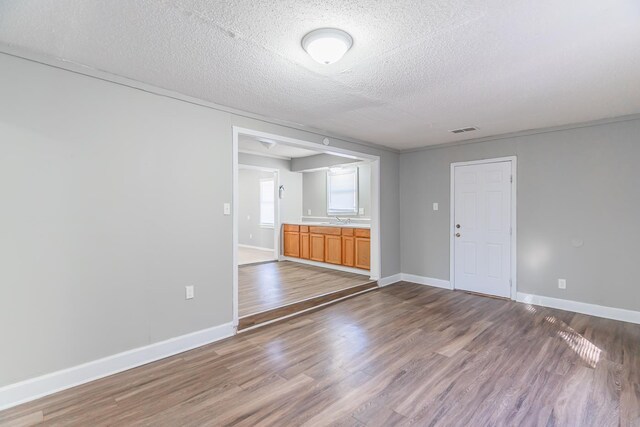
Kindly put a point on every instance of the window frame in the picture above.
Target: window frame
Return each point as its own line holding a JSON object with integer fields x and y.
{"x": 343, "y": 171}
{"x": 273, "y": 202}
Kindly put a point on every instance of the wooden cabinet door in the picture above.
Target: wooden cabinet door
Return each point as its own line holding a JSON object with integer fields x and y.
{"x": 292, "y": 244}
{"x": 304, "y": 245}
{"x": 363, "y": 253}
{"x": 316, "y": 247}
{"x": 333, "y": 249}
{"x": 348, "y": 251}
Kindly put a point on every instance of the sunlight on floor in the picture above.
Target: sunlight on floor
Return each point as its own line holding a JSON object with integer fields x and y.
{"x": 584, "y": 348}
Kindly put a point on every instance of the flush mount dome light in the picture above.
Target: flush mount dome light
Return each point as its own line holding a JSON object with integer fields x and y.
{"x": 327, "y": 45}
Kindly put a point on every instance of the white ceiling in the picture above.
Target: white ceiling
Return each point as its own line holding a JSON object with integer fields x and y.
{"x": 417, "y": 68}
{"x": 249, "y": 144}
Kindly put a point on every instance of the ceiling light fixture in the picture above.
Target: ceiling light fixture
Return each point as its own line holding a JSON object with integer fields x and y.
{"x": 327, "y": 45}
{"x": 267, "y": 143}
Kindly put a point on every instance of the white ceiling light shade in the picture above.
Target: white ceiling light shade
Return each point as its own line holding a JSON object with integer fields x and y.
{"x": 327, "y": 45}
{"x": 267, "y": 143}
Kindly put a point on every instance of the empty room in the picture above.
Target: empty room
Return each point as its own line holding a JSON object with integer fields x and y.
{"x": 288, "y": 213}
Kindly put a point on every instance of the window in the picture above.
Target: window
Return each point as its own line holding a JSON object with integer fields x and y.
{"x": 342, "y": 191}
{"x": 267, "y": 202}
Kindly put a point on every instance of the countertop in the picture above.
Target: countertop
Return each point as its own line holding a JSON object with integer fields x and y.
{"x": 328, "y": 224}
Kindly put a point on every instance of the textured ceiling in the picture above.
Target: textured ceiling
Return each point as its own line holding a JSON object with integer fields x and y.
{"x": 417, "y": 68}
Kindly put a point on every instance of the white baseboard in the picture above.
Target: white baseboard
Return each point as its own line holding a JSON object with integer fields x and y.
{"x": 255, "y": 247}
{"x": 429, "y": 281}
{"x": 390, "y": 280}
{"x": 326, "y": 265}
{"x": 25, "y": 391}
{"x": 581, "y": 307}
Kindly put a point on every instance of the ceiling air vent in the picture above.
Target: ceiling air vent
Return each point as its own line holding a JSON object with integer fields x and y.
{"x": 470, "y": 129}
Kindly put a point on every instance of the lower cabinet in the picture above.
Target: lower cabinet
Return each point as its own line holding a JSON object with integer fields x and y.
{"x": 333, "y": 249}
{"x": 348, "y": 251}
{"x": 335, "y": 245}
{"x": 291, "y": 244}
{"x": 316, "y": 247}
{"x": 304, "y": 245}
{"x": 363, "y": 253}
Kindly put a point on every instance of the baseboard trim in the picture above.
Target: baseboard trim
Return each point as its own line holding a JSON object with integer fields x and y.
{"x": 390, "y": 280}
{"x": 428, "y": 281}
{"x": 581, "y": 307}
{"x": 255, "y": 247}
{"x": 35, "y": 388}
{"x": 327, "y": 265}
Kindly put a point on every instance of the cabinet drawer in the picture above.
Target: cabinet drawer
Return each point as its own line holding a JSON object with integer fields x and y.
{"x": 347, "y": 231}
{"x": 304, "y": 228}
{"x": 363, "y": 232}
{"x": 290, "y": 227}
{"x": 334, "y": 231}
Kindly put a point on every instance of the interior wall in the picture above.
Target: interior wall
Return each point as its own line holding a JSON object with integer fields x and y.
{"x": 314, "y": 192}
{"x": 291, "y": 201}
{"x": 578, "y": 204}
{"x": 250, "y": 232}
{"x": 112, "y": 201}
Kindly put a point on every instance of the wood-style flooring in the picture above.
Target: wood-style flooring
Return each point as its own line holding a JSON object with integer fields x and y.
{"x": 402, "y": 355}
{"x": 262, "y": 287}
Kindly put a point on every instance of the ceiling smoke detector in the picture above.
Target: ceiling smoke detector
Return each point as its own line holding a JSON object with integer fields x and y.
{"x": 461, "y": 130}
{"x": 327, "y": 45}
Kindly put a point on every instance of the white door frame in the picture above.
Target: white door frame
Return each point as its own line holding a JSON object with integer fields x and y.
{"x": 276, "y": 213}
{"x": 514, "y": 187}
{"x": 376, "y": 254}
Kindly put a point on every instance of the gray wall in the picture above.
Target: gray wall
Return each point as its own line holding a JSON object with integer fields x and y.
{"x": 573, "y": 185}
{"x": 314, "y": 192}
{"x": 291, "y": 202}
{"x": 111, "y": 203}
{"x": 249, "y": 230}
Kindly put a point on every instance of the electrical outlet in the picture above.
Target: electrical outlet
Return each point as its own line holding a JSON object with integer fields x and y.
{"x": 361, "y": 211}
{"x": 308, "y": 211}
{"x": 227, "y": 208}
{"x": 189, "y": 292}
{"x": 435, "y": 206}
{"x": 562, "y": 283}
{"x": 250, "y": 236}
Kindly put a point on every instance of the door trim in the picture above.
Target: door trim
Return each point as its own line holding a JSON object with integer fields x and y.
{"x": 514, "y": 204}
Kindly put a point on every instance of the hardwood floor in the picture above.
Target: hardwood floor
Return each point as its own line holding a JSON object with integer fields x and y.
{"x": 263, "y": 287}
{"x": 405, "y": 354}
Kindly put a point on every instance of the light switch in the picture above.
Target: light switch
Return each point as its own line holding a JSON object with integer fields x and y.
{"x": 435, "y": 206}
{"x": 189, "y": 292}
{"x": 361, "y": 211}
{"x": 308, "y": 211}
{"x": 227, "y": 208}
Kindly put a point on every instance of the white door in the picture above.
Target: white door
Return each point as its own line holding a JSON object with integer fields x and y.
{"x": 482, "y": 228}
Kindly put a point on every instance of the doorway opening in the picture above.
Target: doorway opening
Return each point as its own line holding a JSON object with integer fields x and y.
{"x": 259, "y": 213}
{"x": 483, "y": 227}
{"x": 306, "y": 225}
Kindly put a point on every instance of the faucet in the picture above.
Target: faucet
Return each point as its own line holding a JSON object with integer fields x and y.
{"x": 343, "y": 221}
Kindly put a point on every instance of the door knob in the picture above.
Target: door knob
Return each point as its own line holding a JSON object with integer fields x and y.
{"x": 457, "y": 225}
{"x": 457, "y": 234}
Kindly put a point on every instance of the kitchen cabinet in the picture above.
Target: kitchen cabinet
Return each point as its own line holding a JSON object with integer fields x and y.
{"x": 316, "y": 247}
{"x": 333, "y": 249}
{"x": 347, "y": 246}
